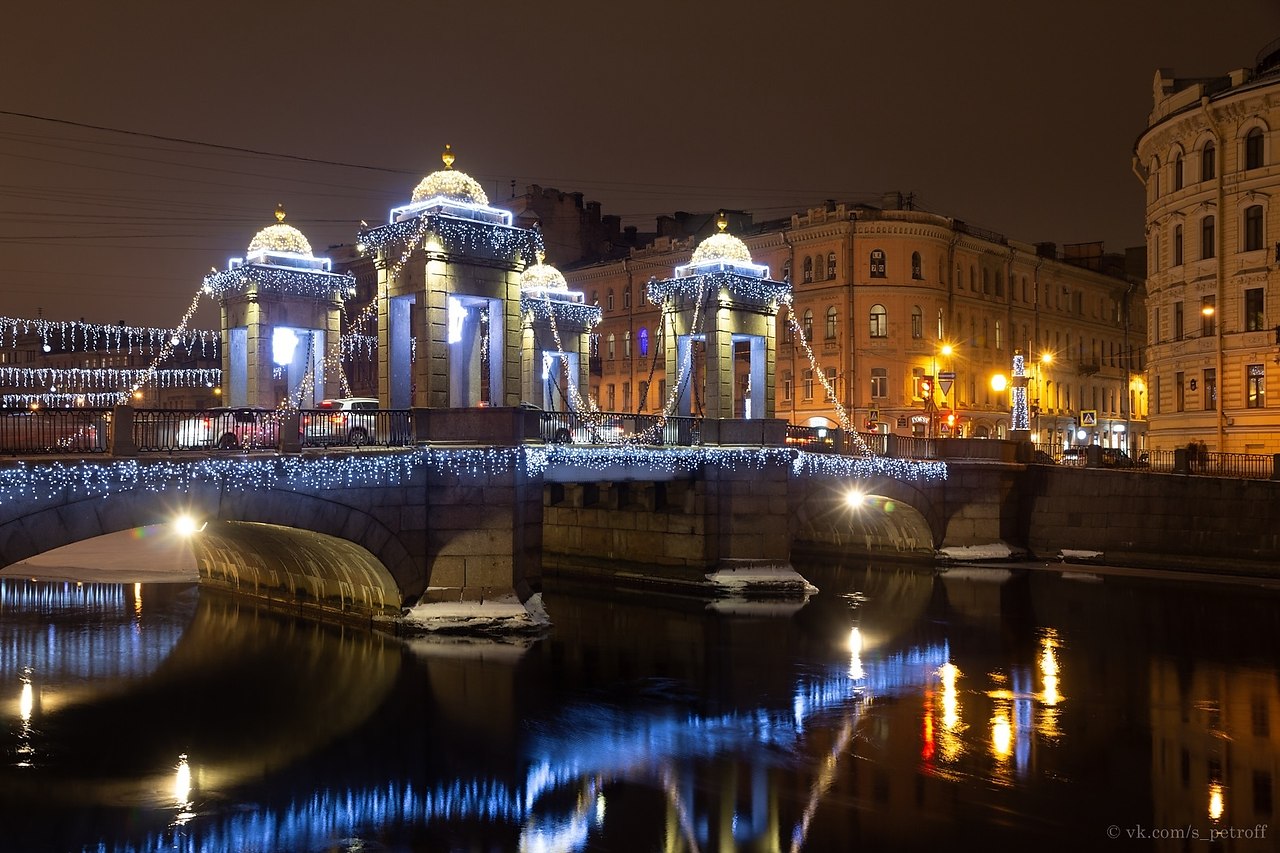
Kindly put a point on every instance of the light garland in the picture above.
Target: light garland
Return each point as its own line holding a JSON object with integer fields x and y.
{"x": 78, "y": 336}
{"x": 846, "y": 423}
{"x": 1020, "y": 417}
{"x": 733, "y": 284}
{"x": 105, "y": 377}
{"x": 546, "y": 308}
{"x": 505, "y": 242}
{"x": 166, "y": 350}
{"x": 55, "y": 400}
{"x": 25, "y": 481}
{"x": 312, "y": 284}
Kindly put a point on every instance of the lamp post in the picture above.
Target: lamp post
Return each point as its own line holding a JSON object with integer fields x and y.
{"x": 943, "y": 379}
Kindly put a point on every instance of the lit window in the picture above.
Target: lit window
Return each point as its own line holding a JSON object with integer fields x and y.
{"x": 879, "y": 322}
{"x": 878, "y": 265}
{"x": 643, "y": 338}
{"x": 917, "y": 322}
{"x": 831, "y": 264}
{"x": 808, "y": 324}
{"x": 1255, "y": 393}
{"x": 612, "y": 344}
{"x": 879, "y": 382}
{"x": 831, "y": 323}
{"x": 808, "y": 269}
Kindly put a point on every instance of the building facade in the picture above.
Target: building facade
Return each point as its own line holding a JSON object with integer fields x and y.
{"x": 905, "y": 322}
{"x": 1210, "y": 166}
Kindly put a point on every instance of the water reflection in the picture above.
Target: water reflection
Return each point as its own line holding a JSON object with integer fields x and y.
{"x": 886, "y": 711}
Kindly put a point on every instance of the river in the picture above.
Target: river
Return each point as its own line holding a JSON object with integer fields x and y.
{"x": 899, "y": 708}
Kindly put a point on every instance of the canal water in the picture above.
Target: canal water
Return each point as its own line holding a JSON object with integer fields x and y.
{"x": 899, "y": 708}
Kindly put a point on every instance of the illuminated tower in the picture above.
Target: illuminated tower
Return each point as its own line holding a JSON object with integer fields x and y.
{"x": 449, "y": 296}
{"x": 555, "y": 340}
{"x": 725, "y": 305}
{"x": 281, "y": 308}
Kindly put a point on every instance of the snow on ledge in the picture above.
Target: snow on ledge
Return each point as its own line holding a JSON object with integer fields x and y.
{"x": 1065, "y": 554}
{"x": 993, "y": 551}
{"x": 757, "y": 577}
{"x": 501, "y": 615}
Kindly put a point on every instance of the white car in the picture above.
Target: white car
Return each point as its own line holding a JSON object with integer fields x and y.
{"x": 346, "y": 420}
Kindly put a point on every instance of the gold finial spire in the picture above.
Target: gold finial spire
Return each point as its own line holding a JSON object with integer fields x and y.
{"x": 280, "y": 212}
{"x": 447, "y": 157}
{"x": 722, "y": 222}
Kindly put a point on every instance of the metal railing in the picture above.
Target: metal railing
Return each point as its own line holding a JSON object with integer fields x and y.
{"x": 176, "y": 430}
{"x": 355, "y": 428}
{"x": 618, "y": 427}
{"x": 27, "y": 432}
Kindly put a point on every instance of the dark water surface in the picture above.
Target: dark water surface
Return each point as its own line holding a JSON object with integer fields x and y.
{"x": 897, "y": 709}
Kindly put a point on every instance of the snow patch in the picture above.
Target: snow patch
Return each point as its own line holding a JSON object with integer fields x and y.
{"x": 501, "y": 615}
{"x": 993, "y": 551}
{"x": 758, "y": 577}
{"x": 1065, "y": 554}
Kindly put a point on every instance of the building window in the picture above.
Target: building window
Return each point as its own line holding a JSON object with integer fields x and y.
{"x": 808, "y": 324}
{"x": 1177, "y": 245}
{"x": 643, "y": 339}
{"x": 879, "y": 322}
{"x": 1255, "y": 389}
{"x": 595, "y": 346}
{"x": 1000, "y": 284}
{"x": 1154, "y": 172}
{"x": 788, "y": 334}
{"x": 626, "y": 396}
{"x": 999, "y": 343}
{"x": 1253, "y": 227}
{"x": 831, "y": 323}
{"x": 986, "y": 282}
{"x": 1177, "y": 321}
{"x": 786, "y": 384}
{"x": 1206, "y": 237}
{"x": 1255, "y": 315}
{"x": 613, "y": 398}
{"x": 626, "y": 344}
{"x": 808, "y": 270}
{"x": 595, "y": 297}
{"x": 1208, "y": 162}
{"x": 879, "y": 382}
{"x": 973, "y": 280}
{"x": 831, "y": 381}
{"x": 917, "y": 322}
{"x": 831, "y": 264}
{"x": 1253, "y": 149}
{"x": 878, "y": 266}
{"x": 941, "y": 325}
{"x": 917, "y": 271}
{"x": 808, "y": 384}
{"x": 786, "y": 270}
{"x": 1179, "y": 391}
{"x": 609, "y": 298}
{"x": 626, "y": 298}
{"x": 1210, "y": 389}
{"x": 1177, "y": 171}
{"x": 1208, "y": 316}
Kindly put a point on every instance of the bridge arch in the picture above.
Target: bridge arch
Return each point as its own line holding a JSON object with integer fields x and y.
{"x": 884, "y": 516}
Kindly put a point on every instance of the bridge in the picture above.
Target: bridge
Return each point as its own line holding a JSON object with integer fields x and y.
{"x": 475, "y": 503}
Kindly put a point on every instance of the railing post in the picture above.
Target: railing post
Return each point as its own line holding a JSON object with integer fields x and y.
{"x": 122, "y": 443}
{"x": 1180, "y": 465}
{"x": 290, "y": 438}
{"x": 1275, "y": 466}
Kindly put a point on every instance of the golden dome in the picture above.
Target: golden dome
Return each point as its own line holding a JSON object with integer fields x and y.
{"x": 722, "y": 247}
{"x": 543, "y": 276}
{"x": 280, "y": 238}
{"x": 451, "y": 184}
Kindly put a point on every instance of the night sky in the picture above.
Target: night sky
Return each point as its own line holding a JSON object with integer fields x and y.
{"x": 1015, "y": 116}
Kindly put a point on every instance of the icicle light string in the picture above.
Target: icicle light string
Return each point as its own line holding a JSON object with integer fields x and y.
{"x": 78, "y": 378}
{"x": 25, "y": 481}
{"x": 845, "y": 422}
{"x": 79, "y": 336}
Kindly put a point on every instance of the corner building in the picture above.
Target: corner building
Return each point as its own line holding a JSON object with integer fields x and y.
{"x": 905, "y": 318}
{"x": 1210, "y": 164}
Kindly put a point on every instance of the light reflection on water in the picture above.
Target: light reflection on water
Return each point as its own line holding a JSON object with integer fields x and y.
{"x": 888, "y": 708}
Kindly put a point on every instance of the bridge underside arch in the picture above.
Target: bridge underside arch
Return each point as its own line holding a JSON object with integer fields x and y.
{"x": 299, "y": 566}
{"x": 876, "y": 517}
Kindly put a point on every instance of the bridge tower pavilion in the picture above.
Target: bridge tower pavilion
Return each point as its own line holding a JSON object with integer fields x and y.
{"x": 555, "y": 340}
{"x": 721, "y": 307}
{"x": 449, "y": 326}
{"x": 281, "y": 310}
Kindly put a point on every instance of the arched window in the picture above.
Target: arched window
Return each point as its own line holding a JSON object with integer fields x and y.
{"x": 786, "y": 270}
{"x": 1208, "y": 162}
{"x": 1154, "y": 173}
{"x": 1206, "y": 237}
{"x": 808, "y": 269}
{"x": 1177, "y": 171}
{"x": 941, "y": 325}
{"x": 831, "y": 264}
{"x": 626, "y": 344}
{"x": 917, "y": 322}
{"x": 612, "y": 345}
{"x": 973, "y": 280}
{"x": 808, "y": 324}
{"x": 1177, "y": 245}
{"x": 642, "y": 338}
{"x": 999, "y": 342}
{"x": 999, "y": 284}
{"x": 878, "y": 266}
{"x": 1253, "y": 227}
{"x": 626, "y": 298}
{"x": 595, "y": 297}
{"x": 986, "y": 332}
{"x": 917, "y": 271}
{"x": 609, "y": 306}
{"x": 1253, "y": 149}
{"x": 831, "y": 323}
{"x": 986, "y": 282}
{"x": 879, "y": 322}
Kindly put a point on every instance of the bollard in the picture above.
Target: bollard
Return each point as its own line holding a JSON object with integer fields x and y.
{"x": 122, "y": 432}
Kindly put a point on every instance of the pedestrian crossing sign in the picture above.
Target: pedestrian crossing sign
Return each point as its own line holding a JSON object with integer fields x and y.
{"x": 1088, "y": 417}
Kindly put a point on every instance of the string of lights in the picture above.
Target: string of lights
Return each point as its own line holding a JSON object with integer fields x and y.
{"x": 314, "y": 284}
{"x": 845, "y": 422}
{"x": 79, "y": 336}
{"x": 166, "y": 350}
{"x": 105, "y": 377}
{"x": 460, "y": 235}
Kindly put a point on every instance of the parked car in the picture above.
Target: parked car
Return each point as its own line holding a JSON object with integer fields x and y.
{"x": 53, "y": 430}
{"x": 229, "y": 429}
{"x": 344, "y": 420}
{"x": 1108, "y": 457}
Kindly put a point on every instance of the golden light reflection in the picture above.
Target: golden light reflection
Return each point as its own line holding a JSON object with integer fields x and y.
{"x": 182, "y": 782}
{"x": 137, "y": 599}
{"x": 950, "y": 746}
{"x": 1001, "y": 735}
{"x": 27, "y": 702}
{"x": 1050, "y": 696}
{"x": 1215, "y": 801}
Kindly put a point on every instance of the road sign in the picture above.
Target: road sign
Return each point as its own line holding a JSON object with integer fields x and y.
{"x": 874, "y": 415}
{"x": 945, "y": 378}
{"x": 1088, "y": 417}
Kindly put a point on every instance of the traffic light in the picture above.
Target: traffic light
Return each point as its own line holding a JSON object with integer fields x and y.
{"x": 951, "y": 419}
{"x": 926, "y": 388}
